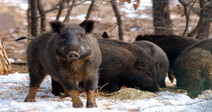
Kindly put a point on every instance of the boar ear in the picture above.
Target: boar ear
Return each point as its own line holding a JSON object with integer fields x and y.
{"x": 88, "y": 25}
{"x": 140, "y": 64}
{"x": 139, "y": 37}
{"x": 105, "y": 35}
{"x": 56, "y": 26}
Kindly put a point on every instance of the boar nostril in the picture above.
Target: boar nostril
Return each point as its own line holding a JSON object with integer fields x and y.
{"x": 73, "y": 55}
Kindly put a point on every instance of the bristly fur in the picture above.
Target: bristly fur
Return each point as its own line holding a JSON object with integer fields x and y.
{"x": 172, "y": 45}
{"x": 43, "y": 59}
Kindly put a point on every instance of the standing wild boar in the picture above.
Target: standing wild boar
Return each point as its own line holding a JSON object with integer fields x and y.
{"x": 172, "y": 45}
{"x": 70, "y": 55}
{"x": 126, "y": 64}
{"x": 193, "y": 68}
{"x": 159, "y": 57}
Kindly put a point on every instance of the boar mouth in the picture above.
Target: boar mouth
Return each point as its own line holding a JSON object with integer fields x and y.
{"x": 73, "y": 55}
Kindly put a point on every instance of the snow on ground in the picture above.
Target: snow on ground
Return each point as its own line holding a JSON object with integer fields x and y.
{"x": 14, "y": 88}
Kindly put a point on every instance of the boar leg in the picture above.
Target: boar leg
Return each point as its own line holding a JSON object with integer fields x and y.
{"x": 90, "y": 99}
{"x": 36, "y": 77}
{"x": 56, "y": 88}
{"x": 70, "y": 88}
{"x": 90, "y": 84}
{"x": 77, "y": 103}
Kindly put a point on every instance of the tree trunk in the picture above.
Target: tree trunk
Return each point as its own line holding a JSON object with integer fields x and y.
{"x": 60, "y": 9}
{"x": 34, "y": 19}
{"x": 69, "y": 12}
{"x": 203, "y": 32}
{"x": 90, "y": 9}
{"x": 43, "y": 16}
{"x": 29, "y": 17}
{"x": 5, "y": 67}
{"x": 118, "y": 17}
{"x": 161, "y": 15}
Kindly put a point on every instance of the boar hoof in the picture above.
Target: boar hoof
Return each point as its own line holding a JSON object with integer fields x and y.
{"x": 91, "y": 105}
{"x": 64, "y": 96}
{"x": 77, "y": 104}
{"x": 56, "y": 94}
{"x": 29, "y": 100}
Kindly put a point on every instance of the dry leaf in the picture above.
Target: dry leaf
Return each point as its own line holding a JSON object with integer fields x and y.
{"x": 178, "y": 7}
{"x": 137, "y": 4}
{"x": 122, "y": 1}
{"x": 182, "y": 15}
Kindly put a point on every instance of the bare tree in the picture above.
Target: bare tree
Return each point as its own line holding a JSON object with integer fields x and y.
{"x": 205, "y": 15}
{"x": 118, "y": 17}
{"x": 42, "y": 15}
{"x": 90, "y": 9}
{"x": 69, "y": 11}
{"x": 60, "y": 9}
{"x": 187, "y": 11}
{"x": 29, "y": 16}
{"x": 34, "y": 18}
{"x": 161, "y": 17}
{"x": 201, "y": 18}
{"x": 203, "y": 32}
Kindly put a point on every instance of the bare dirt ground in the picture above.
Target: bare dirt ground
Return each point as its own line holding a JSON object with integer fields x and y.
{"x": 102, "y": 13}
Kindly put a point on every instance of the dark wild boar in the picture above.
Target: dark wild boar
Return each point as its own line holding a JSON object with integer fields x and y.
{"x": 172, "y": 45}
{"x": 70, "y": 55}
{"x": 159, "y": 57}
{"x": 126, "y": 64}
{"x": 193, "y": 71}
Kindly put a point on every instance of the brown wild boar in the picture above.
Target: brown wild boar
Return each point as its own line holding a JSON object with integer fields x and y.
{"x": 126, "y": 64}
{"x": 159, "y": 57}
{"x": 70, "y": 55}
{"x": 193, "y": 68}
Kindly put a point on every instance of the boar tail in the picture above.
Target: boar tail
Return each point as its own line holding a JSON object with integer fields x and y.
{"x": 22, "y": 38}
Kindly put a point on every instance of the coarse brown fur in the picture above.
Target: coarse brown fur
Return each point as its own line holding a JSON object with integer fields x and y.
{"x": 193, "y": 70}
{"x": 69, "y": 55}
{"x": 126, "y": 64}
{"x": 159, "y": 57}
{"x": 172, "y": 45}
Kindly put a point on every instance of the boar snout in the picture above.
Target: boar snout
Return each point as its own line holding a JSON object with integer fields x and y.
{"x": 73, "y": 55}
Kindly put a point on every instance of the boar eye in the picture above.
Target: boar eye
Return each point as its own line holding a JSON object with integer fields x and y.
{"x": 65, "y": 36}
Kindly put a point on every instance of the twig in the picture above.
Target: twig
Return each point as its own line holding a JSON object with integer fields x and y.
{"x": 103, "y": 86}
{"x": 187, "y": 14}
{"x": 69, "y": 11}
{"x": 55, "y": 7}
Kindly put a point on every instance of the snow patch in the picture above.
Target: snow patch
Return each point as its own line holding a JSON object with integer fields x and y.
{"x": 14, "y": 89}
